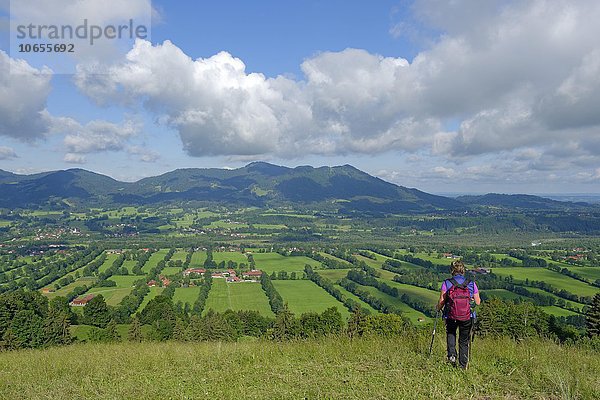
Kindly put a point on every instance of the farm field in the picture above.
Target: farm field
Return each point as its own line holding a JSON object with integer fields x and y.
{"x": 354, "y": 297}
{"x": 428, "y": 296}
{"x": 65, "y": 290}
{"x": 237, "y": 296}
{"x": 154, "y": 291}
{"x": 555, "y": 279}
{"x": 405, "y": 265}
{"x": 236, "y": 256}
{"x": 129, "y": 264}
{"x": 305, "y": 296}
{"x": 186, "y": 295}
{"x": 568, "y": 302}
{"x": 275, "y": 262}
{"x": 333, "y": 275}
{"x": 409, "y": 312}
{"x": 114, "y": 295}
{"x": 110, "y": 259}
{"x": 591, "y": 273}
{"x": 179, "y": 256}
{"x": 170, "y": 271}
{"x": 502, "y": 294}
{"x": 198, "y": 259}
{"x": 336, "y": 259}
{"x": 154, "y": 259}
{"x": 51, "y": 285}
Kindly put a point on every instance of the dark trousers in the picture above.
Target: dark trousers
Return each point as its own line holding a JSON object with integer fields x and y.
{"x": 464, "y": 331}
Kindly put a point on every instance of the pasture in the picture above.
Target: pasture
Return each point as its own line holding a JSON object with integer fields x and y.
{"x": 275, "y": 262}
{"x": 557, "y": 280}
{"x": 237, "y": 296}
{"x": 305, "y": 296}
{"x": 154, "y": 259}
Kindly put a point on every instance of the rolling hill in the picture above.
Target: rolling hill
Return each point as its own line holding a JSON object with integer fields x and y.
{"x": 341, "y": 188}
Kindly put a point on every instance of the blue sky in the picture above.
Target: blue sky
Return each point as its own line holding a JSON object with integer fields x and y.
{"x": 460, "y": 97}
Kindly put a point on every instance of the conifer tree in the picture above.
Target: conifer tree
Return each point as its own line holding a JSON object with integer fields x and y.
{"x": 135, "y": 330}
{"x": 593, "y": 317}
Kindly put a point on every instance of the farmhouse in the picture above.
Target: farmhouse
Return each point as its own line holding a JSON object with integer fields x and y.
{"x": 82, "y": 301}
{"x": 255, "y": 273}
{"x": 199, "y": 271}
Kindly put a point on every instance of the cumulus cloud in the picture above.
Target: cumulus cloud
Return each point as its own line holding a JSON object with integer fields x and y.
{"x": 93, "y": 137}
{"x": 144, "y": 154}
{"x": 23, "y": 94}
{"x": 521, "y": 78}
{"x": 71, "y": 158}
{"x": 7, "y": 153}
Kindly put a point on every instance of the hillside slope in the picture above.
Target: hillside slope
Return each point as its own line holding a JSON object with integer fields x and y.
{"x": 334, "y": 368}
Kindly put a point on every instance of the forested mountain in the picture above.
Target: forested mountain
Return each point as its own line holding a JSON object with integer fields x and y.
{"x": 342, "y": 188}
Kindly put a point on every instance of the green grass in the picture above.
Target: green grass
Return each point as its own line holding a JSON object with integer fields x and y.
{"x": 171, "y": 271}
{"x": 540, "y": 291}
{"x": 305, "y": 296}
{"x": 336, "y": 259}
{"x": 331, "y": 368}
{"x": 428, "y": 296}
{"x": 186, "y": 295}
{"x": 154, "y": 260}
{"x": 590, "y": 273}
{"x": 503, "y": 294}
{"x": 129, "y": 264}
{"x": 154, "y": 291}
{"x": 112, "y": 296}
{"x": 110, "y": 259}
{"x": 65, "y": 290}
{"x": 198, "y": 259}
{"x": 179, "y": 255}
{"x": 125, "y": 281}
{"x": 352, "y": 296}
{"x": 557, "y": 311}
{"x": 228, "y": 225}
{"x": 236, "y": 256}
{"x": 333, "y": 275}
{"x": 558, "y": 280}
{"x": 409, "y": 312}
{"x": 237, "y": 296}
{"x": 275, "y": 262}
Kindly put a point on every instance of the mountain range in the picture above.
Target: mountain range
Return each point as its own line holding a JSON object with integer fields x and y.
{"x": 260, "y": 184}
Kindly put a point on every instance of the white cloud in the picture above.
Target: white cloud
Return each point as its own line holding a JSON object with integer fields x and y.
{"x": 23, "y": 94}
{"x": 522, "y": 79}
{"x": 7, "y": 153}
{"x": 72, "y": 158}
{"x": 144, "y": 154}
{"x": 95, "y": 136}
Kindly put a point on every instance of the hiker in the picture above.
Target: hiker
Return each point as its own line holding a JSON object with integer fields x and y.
{"x": 455, "y": 299}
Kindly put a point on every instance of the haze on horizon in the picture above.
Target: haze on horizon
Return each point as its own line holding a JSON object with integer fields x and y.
{"x": 476, "y": 97}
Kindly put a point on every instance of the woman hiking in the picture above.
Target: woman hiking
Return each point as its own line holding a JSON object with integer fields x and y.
{"x": 455, "y": 299}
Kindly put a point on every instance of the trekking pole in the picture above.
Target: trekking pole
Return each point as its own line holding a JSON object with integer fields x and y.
{"x": 471, "y": 337}
{"x": 433, "y": 334}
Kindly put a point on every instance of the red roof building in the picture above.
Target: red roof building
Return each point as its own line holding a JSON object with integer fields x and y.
{"x": 82, "y": 301}
{"x": 199, "y": 271}
{"x": 255, "y": 273}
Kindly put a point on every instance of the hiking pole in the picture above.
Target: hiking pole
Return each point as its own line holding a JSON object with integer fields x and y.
{"x": 433, "y": 334}
{"x": 471, "y": 338}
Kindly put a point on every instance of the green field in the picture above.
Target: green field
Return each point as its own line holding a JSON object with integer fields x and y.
{"x": 170, "y": 271}
{"x": 110, "y": 259}
{"x": 237, "y": 296}
{"x": 154, "y": 260}
{"x": 179, "y": 256}
{"x": 236, "y": 256}
{"x": 409, "y": 312}
{"x": 275, "y": 262}
{"x": 114, "y": 295}
{"x": 557, "y": 311}
{"x": 336, "y": 259}
{"x": 305, "y": 296}
{"x": 129, "y": 264}
{"x": 590, "y": 273}
{"x": 330, "y": 368}
{"x": 154, "y": 291}
{"x": 540, "y": 291}
{"x": 502, "y": 294}
{"x": 428, "y": 296}
{"x": 198, "y": 259}
{"x": 405, "y": 265}
{"x": 558, "y": 280}
{"x": 186, "y": 295}
{"x": 333, "y": 275}
{"x": 65, "y": 290}
{"x": 354, "y": 297}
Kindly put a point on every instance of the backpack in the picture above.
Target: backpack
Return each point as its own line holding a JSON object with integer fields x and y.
{"x": 458, "y": 301}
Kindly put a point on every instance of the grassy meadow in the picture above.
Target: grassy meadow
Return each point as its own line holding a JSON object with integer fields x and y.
{"x": 237, "y": 296}
{"x": 305, "y": 296}
{"x": 329, "y": 368}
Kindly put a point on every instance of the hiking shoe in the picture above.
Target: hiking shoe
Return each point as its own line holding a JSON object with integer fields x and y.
{"x": 452, "y": 360}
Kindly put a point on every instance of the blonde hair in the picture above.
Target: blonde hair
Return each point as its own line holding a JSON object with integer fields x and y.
{"x": 457, "y": 267}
